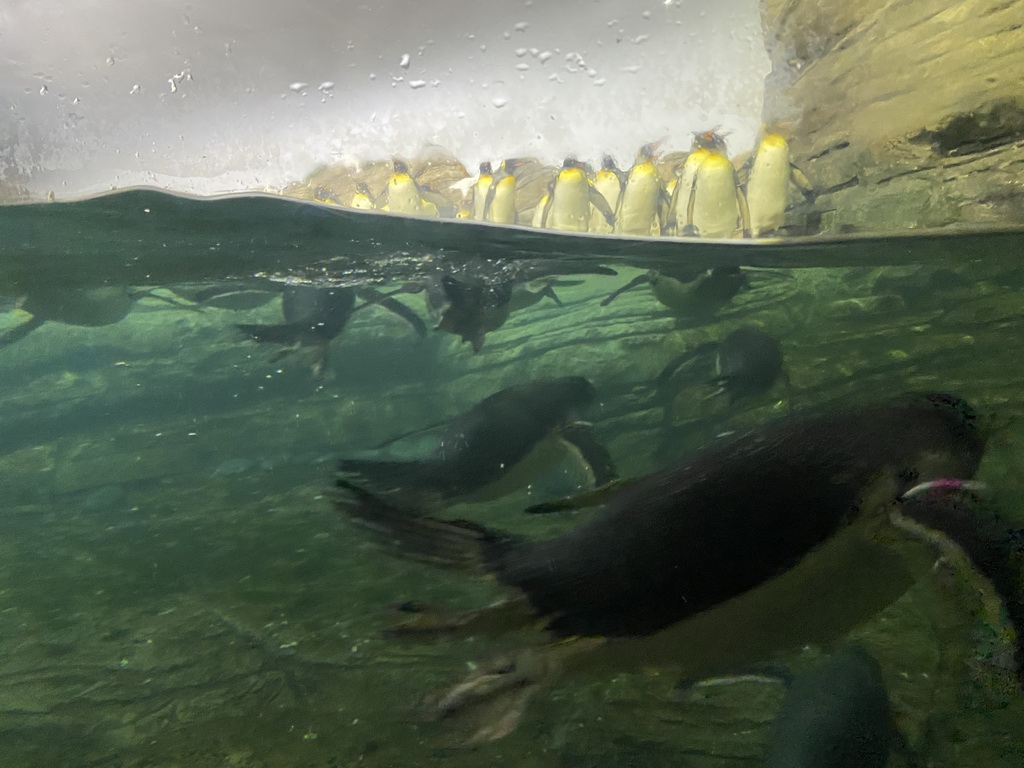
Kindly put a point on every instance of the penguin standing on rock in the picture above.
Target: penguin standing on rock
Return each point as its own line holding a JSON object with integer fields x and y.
{"x": 608, "y": 182}
{"x": 404, "y": 195}
{"x": 569, "y": 199}
{"x": 766, "y": 178}
{"x": 716, "y": 206}
{"x": 477, "y": 199}
{"x": 500, "y": 203}
{"x": 639, "y": 209}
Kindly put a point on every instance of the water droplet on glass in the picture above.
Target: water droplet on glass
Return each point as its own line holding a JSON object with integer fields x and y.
{"x": 543, "y": 57}
{"x": 185, "y": 20}
{"x": 404, "y": 61}
{"x": 640, "y": 39}
{"x": 506, "y": 35}
{"x": 298, "y": 87}
{"x": 522, "y": 67}
{"x": 417, "y": 84}
{"x": 499, "y": 101}
{"x": 111, "y": 61}
{"x": 632, "y": 69}
{"x": 135, "y": 89}
{"x": 326, "y": 85}
{"x": 43, "y": 90}
{"x": 520, "y": 52}
{"x": 483, "y": 47}
{"x": 521, "y": 26}
{"x": 373, "y": 75}
{"x": 646, "y": 14}
{"x": 601, "y": 81}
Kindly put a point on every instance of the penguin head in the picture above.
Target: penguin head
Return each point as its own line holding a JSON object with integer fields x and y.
{"x": 485, "y": 168}
{"x": 400, "y": 166}
{"x": 512, "y": 164}
{"x": 648, "y": 152}
{"x": 709, "y": 140}
{"x": 608, "y": 163}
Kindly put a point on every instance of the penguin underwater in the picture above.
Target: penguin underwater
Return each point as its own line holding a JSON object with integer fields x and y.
{"x": 86, "y": 307}
{"x": 776, "y": 538}
{"x": 495, "y": 447}
{"x": 314, "y": 316}
{"x": 748, "y": 362}
{"x": 689, "y": 293}
{"x": 470, "y": 306}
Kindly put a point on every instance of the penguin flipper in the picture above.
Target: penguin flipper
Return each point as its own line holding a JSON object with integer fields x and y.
{"x": 20, "y": 331}
{"x": 741, "y": 202}
{"x": 638, "y": 280}
{"x": 802, "y": 183}
{"x": 598, "y": 201}
{"x": 549, "y": 292}
{"x": 397, "y": 307}
{"x": 594, "y": 498}
{"x": 592, "y": 451}
{"x": 676, "y": 365}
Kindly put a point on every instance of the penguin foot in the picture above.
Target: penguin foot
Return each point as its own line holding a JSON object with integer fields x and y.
{"x": 489, "y": 703}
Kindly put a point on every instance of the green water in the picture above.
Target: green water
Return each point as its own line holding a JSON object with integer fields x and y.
{"x": 176, "y": 590}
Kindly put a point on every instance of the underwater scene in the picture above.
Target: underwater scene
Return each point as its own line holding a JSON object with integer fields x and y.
{"x": 694, "y": 440}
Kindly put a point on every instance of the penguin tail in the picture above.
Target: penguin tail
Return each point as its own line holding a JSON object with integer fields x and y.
{"x": 457, "y": 544}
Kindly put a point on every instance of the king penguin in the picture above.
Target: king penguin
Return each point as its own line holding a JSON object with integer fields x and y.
{"x": 568, "y": 205}
{"x": 639, "y": 210}
{"x": 500, "y": 205}
{"x": 608, "y": 182}
{"x": 768, "y": 173}
{"x": 716, "y": 205}
{"x": 403, "y": 194}
{"x": 478, "y": 192}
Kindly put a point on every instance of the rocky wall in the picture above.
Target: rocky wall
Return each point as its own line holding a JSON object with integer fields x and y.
{"x": 905, "y": 113}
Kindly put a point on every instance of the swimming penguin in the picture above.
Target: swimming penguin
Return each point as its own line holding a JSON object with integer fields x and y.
{"x": 608, "y": 182}
{"x": 767, "y": 175}
{"x": 87, "y": 307}
{"x": 314, "y": 316}
{"x": 478, "y": 192}
{"x": 404, "y": 195}
{"x": 689, "y": 293}
{"x": 500, "y": 204}
{"x": 498, "y": 446}
{"x": 716, "y": 205}
{"x": 836, "y": 716}
{"x": 471, "y": 306}
{"x": 748, "y": 362}
{"x": 639, "y": 208}
{"x": 759, "y": 544}
{"x": 570, "y": 198}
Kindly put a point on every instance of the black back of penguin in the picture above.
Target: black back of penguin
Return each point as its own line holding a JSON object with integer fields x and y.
{"x": 686, "y": 539}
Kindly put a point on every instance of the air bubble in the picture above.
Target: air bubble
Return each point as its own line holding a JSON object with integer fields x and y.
{"x": 404, "y": 61}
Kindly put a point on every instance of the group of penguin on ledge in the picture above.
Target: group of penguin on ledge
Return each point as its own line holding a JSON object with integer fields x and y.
{"x": 699, "y": 193}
